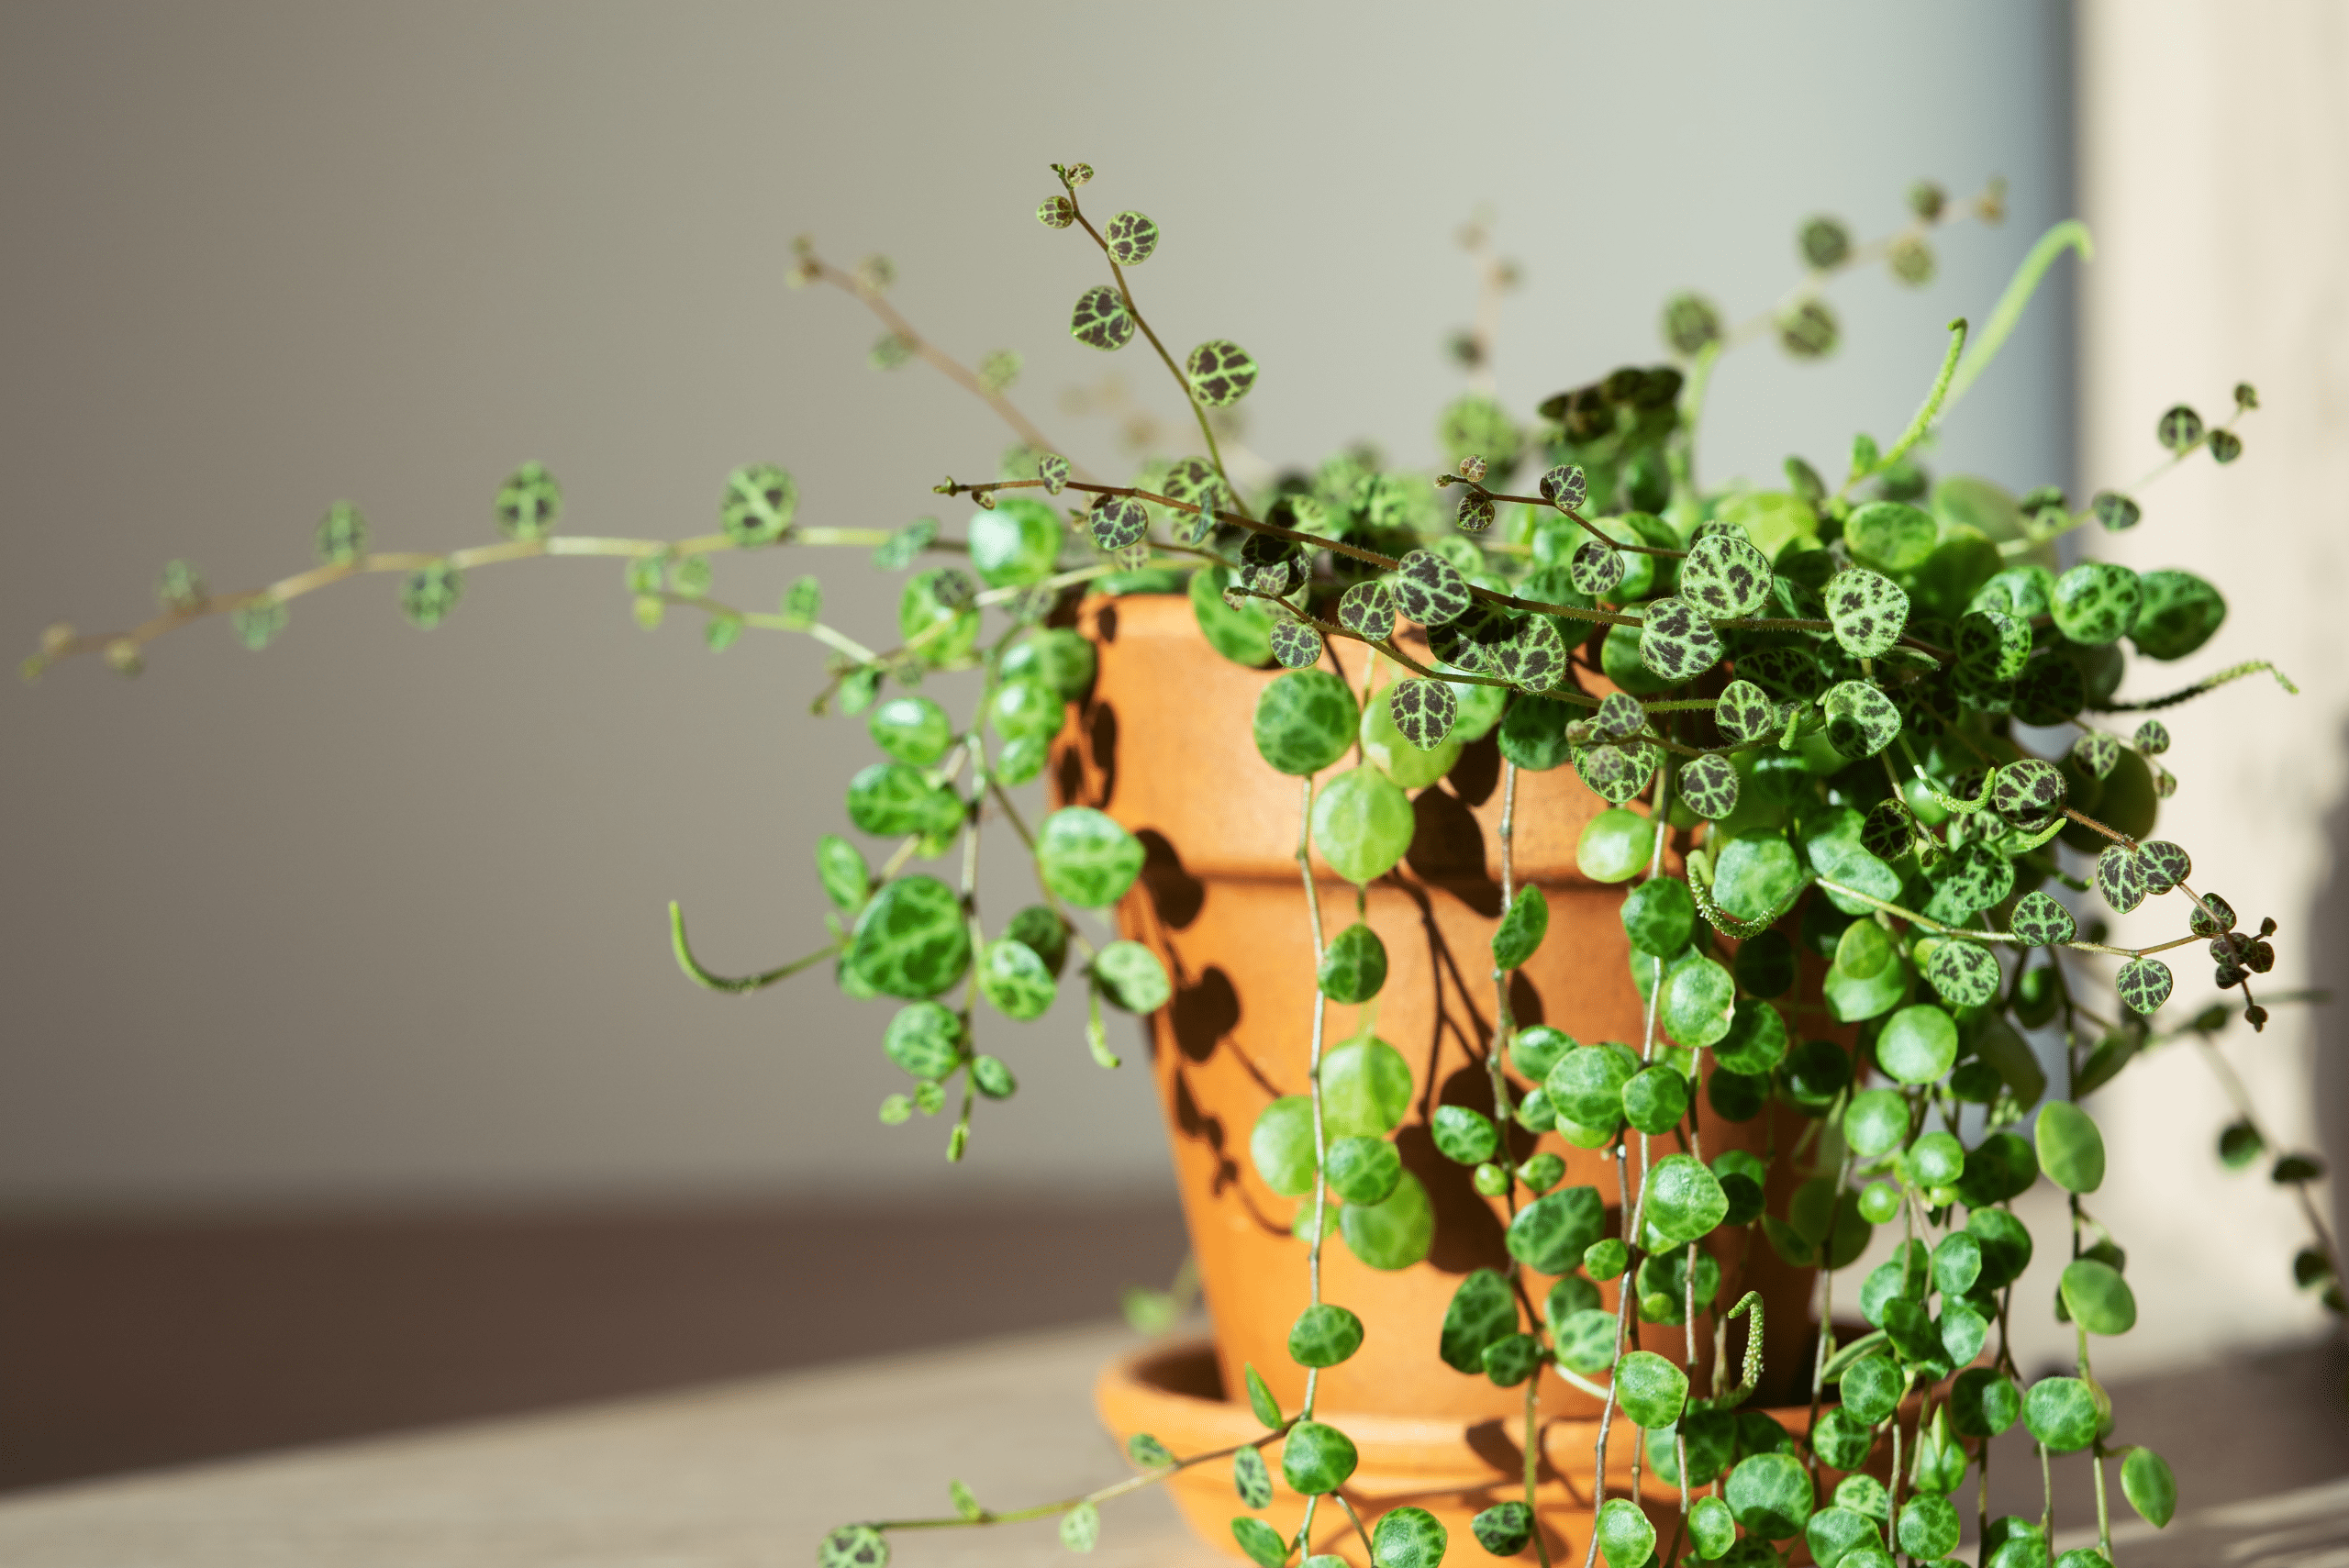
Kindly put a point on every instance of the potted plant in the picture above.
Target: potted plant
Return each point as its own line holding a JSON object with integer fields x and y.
{"x": 1571, "y": 912}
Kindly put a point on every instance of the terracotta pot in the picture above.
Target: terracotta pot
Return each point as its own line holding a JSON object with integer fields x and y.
{"x": 1454, "y": 1468}
{"x": 1163, "y": 745}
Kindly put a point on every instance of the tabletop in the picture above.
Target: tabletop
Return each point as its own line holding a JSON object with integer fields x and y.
{"x": 752, "y": 1474}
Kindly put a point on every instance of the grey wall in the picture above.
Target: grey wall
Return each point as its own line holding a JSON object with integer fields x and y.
{"x": 377, "y": 914}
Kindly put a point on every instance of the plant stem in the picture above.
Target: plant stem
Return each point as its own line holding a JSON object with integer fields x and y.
{"x": 1320, "y": 1015}
{"x": 702, "y": 977}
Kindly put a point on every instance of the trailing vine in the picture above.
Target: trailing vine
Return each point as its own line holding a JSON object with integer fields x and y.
{"x": 1841, "y": 730}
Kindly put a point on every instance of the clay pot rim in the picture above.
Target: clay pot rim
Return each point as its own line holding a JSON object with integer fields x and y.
{"x": 1139, "y": 1374}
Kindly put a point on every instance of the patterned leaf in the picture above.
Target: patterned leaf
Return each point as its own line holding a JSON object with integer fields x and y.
{"x": 1367, "y": 609}
{"x": 1131, "y": 238}
{"x": 758, "y": 502}
{"x": 2165, "y": 864}
{"x": 1861, "y": 720}
{"x": 1100, "y": 319}
{"x": 1475, "y": 514}
{"x": 1619, "y": 718}
{"x": 428, "y": 594}
{"x": 1119, "y": 521}
{"x": 1787, "y": 672}
{"x": 1250, "y": 1480}
{"x": 2121, "y": 877}
{"x": 1725, "y": 576}
{"x": 2026, "y": 792}
{"x": 1744, "y": 713}
{"x": 1273, "y": 565}
{"x": 1052, "y": 469}
{"x": 1809, "y": 330}
{"x": 2040, "y": 921}
{"x": 1614, "y": 773}
{"x": 1428, "y": 589}
{"x": 1565, "y": 487}
{"x": 1709, "y": 786}
{"x": 1221, "y": 373}
{"x": 1297, "y": 645}
{"x": 1534, "y": 656}
{"x": 2202, "y": 925}
{"x": 1676, "y": 643}
{"x": 2097, "y": 753}
{"x": 1868, "y": 610}
{"x": 1991, "y": 646}
{"x": 1965, "y": 974}
{"x": 529, "y": 502}
{"x": 855, "y": 1546}
{"x": 2144, "y": 983}
{"x": 1973, "y": 879}
{"x": 1422, "y": 711}
{"x": 1056, "y": 212}
{"x": 1885, "y": 832}
{"x": 2179, "y": 428}
{"x": 2115, "y": 511}
{"x": 2152, "y": 738}
{"x": 1596, "y": 568}
{"x": 2051, "y": 691}
{"x": 342, "y": 535}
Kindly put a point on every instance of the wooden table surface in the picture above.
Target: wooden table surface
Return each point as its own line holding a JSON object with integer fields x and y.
{"x": 750, "y": 1473}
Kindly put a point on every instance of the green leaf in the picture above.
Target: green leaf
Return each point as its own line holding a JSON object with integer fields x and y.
{"x": 1281, "y": 1145}
{"x": 1361, "y": 824}
{"x": 1585, "y": 1084}
{"x": 1655, "y": 1099}
{"x": 758, "y": 505}
{"x": 2098, "y": 1299}
{"x": 1709, "y": 786}
{"x": 842, "y": 873}
{"x": 1421, "y": 711}
{"x": 1407, "y": 1537}
{"x": 2152, "y": 1490}
{"x": 1015, "y": 980}
{"x": 1757, "y": 874}
{"x": 1365, "y": 1089}
{"x": 1660, "y": 917}
{"x": 1683, "y": 1200}
{"x": 855, "y": 1546}
{"x": 911, "y": 729}
{"x": 1131, "y": 977}
{"x": 1868, "y": 610}
{"x": 1929, "y": 1527}
{"x": 1700, "y": 999}
{"x": 2071, "y": 1150}
{"x": 2178, "y": 613}
{"x": 1221, "y": 373}
{"x": 2097, "y": 602}
{"x": 1651, "y": 1389}
{"x": 1363, "y": 1170}
{"x": 1586, "y": 1340}
{"x": 1353, "y": 966}
{"x": 1250, "y": 1478}
{"x": 342, "y": 535}
{"x": 1081, "y": 1526}
{"x": 1483, "y": 1311}
{"x": 926, "y": 1039}
{"x": 911, "y": 940}
{"x": 1770, "y": 1495}
{"x": 1131, "y": 237}
{"x": 1148, "y": 1452}
{"x": 1551, "y": 1234}
{"x": 1504, "y": 1529}
{"x": 2063, "y": 1413}
{"x": 1521, "y": 929}
{"x": 1317, "y": 1458}
{"x": 1324, "y": 1335}
{"x": 1394, "y": 1234}
{"x": 1982, "y": 1403}
{"x": 1242, "y": 634}
{"x": 1261, "y": 1542}
{"x": 1834, "y": 1532}
{"x": 259, "y": 622}
{"x": 1917, "y": 1044}
{"x": 429, "y": 594}
{"x": 1756, "y": 1040}
{"x": 1267, "y": 1409}
{"x": 1085, "y": 858}
{"x": 888, "y": 799}
{"x": 1744, "y": 713}
{"x": 1463, "y": 1135}
{"x": 1100, "y": 319}
{"x": 992, "y": 1078}
{"x": 1712, "y": 1527}
{"x": 1367, "y": 609}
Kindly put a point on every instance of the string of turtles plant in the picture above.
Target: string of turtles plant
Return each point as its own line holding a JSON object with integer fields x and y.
{"x": 1827, "y": 700}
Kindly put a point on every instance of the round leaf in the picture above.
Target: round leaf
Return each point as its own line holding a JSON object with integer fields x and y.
{"x": 911, "y": 940}
{"x": 2071, "y": 1150}
{"x": 2098, "y": 1299}
{"x": 1394, "y": 1234}
{"x": 1363, "y": 1170}
{"x": 1014, "y": 980}
{"x": 2062, "y": 1412}
{"x": 1365, "y": 1089}
{"x": 1085, "y": 858}
{"x": 1651, "y": 1389}
{"x": 1683, "y": 1199}
{"x": 1317, "y": 1458}
{"x": 1407, "y": 1537}
{"x": 1361, "y": 824}
{"x": 1917, "y": 1045}
{"x": 1483, "y": 1311}
{"x": 1551, "y": 1234}
{"x": 2152, "y": 1490}
{"x": 1353, "y": 966}
{"x": 1770, "y": 1495}
{"x": 1131, "y": 977}
{"x": 1324, "y": 1335}
{"x": 1305, "y": 721}
{"x": 1281, "y": 1146}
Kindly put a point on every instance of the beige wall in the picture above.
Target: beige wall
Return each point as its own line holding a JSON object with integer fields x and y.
{"x": 2214, "y": 158}
{"x": 377, "y": 914}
